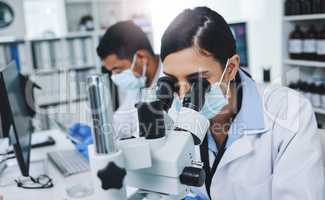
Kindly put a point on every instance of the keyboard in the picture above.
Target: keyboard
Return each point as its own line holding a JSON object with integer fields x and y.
{"x": 69, "y": 162}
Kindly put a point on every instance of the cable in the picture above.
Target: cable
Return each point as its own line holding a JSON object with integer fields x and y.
{"x": 4, "y": 154}
{"x": 10, "y": 157}
{"x": 7, "y": 158}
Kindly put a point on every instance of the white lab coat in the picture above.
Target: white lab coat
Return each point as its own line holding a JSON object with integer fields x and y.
{"x": 125, "y": 118}
{"x": 280, "y": 161}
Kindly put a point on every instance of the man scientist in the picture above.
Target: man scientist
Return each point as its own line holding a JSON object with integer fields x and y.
{"x": 127, "y": 55}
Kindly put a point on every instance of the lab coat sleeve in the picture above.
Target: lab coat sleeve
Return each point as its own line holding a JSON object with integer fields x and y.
{"x": 298, "y": 172}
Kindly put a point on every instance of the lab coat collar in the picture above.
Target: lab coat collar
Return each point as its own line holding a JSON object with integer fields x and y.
{"x": 250, "y": 118}
{"x": 249, "y": 122}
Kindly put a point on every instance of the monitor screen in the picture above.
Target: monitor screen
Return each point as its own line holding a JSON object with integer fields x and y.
{"x": 240, "y": 33}
{"x": 20, "y": 134}
{"x": 5, "y": 122}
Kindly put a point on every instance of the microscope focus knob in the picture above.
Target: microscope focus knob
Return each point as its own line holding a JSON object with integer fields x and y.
{"x": 111, "y": 176}
{"x": 193, "y": 176}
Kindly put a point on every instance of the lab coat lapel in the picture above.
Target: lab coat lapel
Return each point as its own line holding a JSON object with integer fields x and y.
{"x": 248, "y": 123}
{"x": 240, "y": 148}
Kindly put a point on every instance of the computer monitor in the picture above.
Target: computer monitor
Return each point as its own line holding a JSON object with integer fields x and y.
{"x": 21, "y": 126}
{"x": 5, "y": 122}
{"x": 239, "y": 31}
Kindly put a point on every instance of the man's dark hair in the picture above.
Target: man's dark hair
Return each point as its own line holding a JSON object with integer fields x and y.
{"x": 123, "y": 39}
{"x": 200, "y": 27}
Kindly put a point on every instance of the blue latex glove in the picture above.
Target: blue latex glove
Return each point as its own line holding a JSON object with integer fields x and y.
{"x": 82, "y": 133}
{"x": 194, "y": 198}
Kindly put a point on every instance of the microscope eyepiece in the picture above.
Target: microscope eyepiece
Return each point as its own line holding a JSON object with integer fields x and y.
{"x": 165, "y": 91}
{"x": 195, "y": 97}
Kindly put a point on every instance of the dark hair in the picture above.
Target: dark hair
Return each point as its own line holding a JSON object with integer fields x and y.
{"x": 123, "y": 39}
{"x": 200, "y": 27}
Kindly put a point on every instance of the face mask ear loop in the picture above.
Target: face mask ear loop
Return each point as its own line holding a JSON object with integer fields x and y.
{"x": 223, "y": 73}
{"x": 144, "y": 70}
{"x": 133, "y": 61}
{"x": 228, "y": 88}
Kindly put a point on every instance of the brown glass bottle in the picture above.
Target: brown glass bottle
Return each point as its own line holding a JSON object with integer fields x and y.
{"x": 321, "y": 45}
{"x": 306, "y": 7}
{"x": 309, "y": 44}
{"x": 296, "y": 43}
{"x": 288, "y": 7}
{"x": 292, "y": 7}
{"x": 296, "y": 7}
{"x": 322, "y": 6}
{"x": 316, "y": 6}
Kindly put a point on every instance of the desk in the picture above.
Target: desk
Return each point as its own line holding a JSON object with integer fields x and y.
{"x": 60, "y": 183}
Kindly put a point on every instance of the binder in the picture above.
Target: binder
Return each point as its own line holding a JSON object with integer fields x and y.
{"x": 26, "y": 67}
{"x": 14, "y": 54}
{"x": 89, "y": 52}
{"x": 77, "y": 47}
{"x": 3, "y": 59}
{"x": 34, "y": 56}
{"x": 72, "y": 57}
{"x": 59, "y": 55}
{"x": 45, "y": 56}
{"x": 53, "y": 61}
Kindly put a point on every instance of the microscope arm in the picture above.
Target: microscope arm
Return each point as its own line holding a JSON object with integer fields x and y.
{"x": 136, "y": 153}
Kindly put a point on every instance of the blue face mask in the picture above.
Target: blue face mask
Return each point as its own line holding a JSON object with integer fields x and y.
{"x": 215, "y": 100}
{"x": 177, "y": 104}
{"x": 128, "y": 81}
{"x": 175, "y": 108}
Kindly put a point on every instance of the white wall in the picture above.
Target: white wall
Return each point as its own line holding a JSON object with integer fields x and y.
{"x": 264, "y": 27}
{"x": 44, "y": 16}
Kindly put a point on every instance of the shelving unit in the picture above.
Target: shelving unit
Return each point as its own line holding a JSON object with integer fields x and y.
{"x": 67, "y": 72}
{"x": 292, "y": 69}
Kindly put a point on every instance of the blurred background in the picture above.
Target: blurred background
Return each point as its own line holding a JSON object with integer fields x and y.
{"x": 54, "y": 42}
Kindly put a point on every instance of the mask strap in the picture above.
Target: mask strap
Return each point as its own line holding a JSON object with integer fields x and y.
{"x": 144, "y": 70}
{"x": 145, "y": 66}
{"x": 133, "y": 61}
{"x": 228, "y": 88}
{"x": 223, "y": 73}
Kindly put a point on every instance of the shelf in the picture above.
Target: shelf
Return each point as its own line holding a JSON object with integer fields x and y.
{"x": 80, "y": 34}
{"x": 93, "y": 1}
{"x": 70, "y": 35}
{"x": 41, "y": 39}
{"x": 77, "y": 1}
{"x": 55, "y": 70}
{"x": 82, "y": 67}
{"x": 306, "y": 63}
{"x": 9, "y": 39}
{"x": 61, "y": 102}
{"x": 305, "y": 17}
{"x": 319, "y": 111}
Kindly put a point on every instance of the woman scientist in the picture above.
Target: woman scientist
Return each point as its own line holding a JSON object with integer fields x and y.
{"x": 262, "y": 142}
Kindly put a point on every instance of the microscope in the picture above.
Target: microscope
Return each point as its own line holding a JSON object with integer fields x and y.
{"x": 161, "y": 163}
